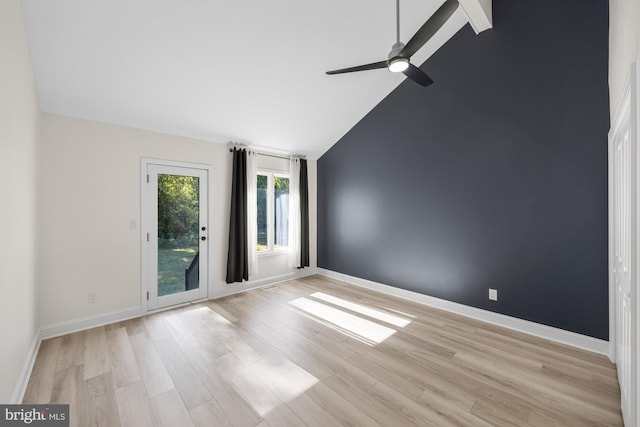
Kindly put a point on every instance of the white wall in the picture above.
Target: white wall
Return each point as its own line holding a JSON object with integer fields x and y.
{"x": 90, "y": 191}
{"x": 624, "y": 45}
{"x": 19, "y": 133}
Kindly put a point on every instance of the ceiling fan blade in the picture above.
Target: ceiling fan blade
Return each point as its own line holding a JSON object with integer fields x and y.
{"x": 373, "y": 66}
{"x": 429, "y": 28}
{"x": 417, "y": 75}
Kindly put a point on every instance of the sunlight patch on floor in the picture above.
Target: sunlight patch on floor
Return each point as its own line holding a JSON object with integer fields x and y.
{"x": 353, "y": 325}
{"x": 214, "y": 316}
{"x": 402, "y": 313}
{"x": 265, "y": 384}
{"x": 285, "y": 378}
{"x": 358, "y": 308}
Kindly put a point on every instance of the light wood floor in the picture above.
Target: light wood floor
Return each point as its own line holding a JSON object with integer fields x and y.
{"x": 318, "y": 353}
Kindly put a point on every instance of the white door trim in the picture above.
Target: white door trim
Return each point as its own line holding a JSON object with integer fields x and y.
{"x": 144, "y": 214}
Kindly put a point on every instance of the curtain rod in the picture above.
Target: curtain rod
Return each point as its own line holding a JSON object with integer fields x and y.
{"x": 268, "y": 155}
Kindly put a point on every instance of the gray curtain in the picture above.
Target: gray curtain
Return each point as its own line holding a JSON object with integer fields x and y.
{"x": 304, "y": 215}
{"x": 238, "y": 255}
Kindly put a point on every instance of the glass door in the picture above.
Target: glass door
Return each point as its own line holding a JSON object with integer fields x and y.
{"x": 177, "y": 239}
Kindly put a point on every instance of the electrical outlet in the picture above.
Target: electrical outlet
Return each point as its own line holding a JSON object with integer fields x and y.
{"x": 91, "y": 298}
{"x": 493, "y": 294}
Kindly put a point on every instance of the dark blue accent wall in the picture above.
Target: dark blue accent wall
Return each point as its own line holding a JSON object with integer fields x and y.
{"x": 493, "y": 177}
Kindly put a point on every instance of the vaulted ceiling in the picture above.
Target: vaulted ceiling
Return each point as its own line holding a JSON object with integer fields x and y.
{"x": 249, "y": 71}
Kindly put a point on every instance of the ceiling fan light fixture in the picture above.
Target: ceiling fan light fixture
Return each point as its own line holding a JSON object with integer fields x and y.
{"x": 398, "y": 65}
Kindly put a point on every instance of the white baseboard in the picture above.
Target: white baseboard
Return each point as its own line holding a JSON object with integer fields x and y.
{"x": 25, "y": 372}
{"x": 543, "y": 331}
{"x": 261, "y": 283}
{"x": 83, "y": 323}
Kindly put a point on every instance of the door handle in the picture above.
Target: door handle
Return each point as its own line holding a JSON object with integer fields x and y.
{"x": 203, "y": 238}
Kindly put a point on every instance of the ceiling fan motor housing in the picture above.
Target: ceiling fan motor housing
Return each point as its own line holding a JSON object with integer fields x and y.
{"x": 396, "y": 49}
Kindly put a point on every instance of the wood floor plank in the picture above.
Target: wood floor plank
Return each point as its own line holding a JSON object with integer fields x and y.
{"x": 184, "y": 377}
{"x": 343, "y": 410}
{"x": 154, "y": 374}
{"x": 236, "y": 409}
{"x": 71, "y": 388}
{"x": 438, "y": 389}
{"x": 43, "y": 374}
{"x": 134, "y": 406}
{"x": 379, "y": 411}
{"x": 227, "y": 336}
{"x": 284, "y": 378}
{"x": 282, "y": 416}
{"x": 450, "y": 408}
{"x": 543, "y": 351}
{"x": 291, "y": 338}
{"x": 181, "y": 332}
{"x": 396, "y": 375}
{"x": 103, "y": 407}
{"x": 410, "y": 409}
{"x": 170, "y": 411}
{"x": 198, "y": 320}
{"x": 295, "y": 353}
{"x": 540, "y": 419}
{"x": 71, "y": 351}
{"x": 96, "y": 355}
{"x": 256, "y": 305}
{"x": 209, "y": 414}
{"x": 123, "y": 362}
{"x": 255, "y": 359}
{"x": 249, "y": 382}
{"x": 222, "y": 311}
{"x": 311, "y": 413}
{"x": 500, "y": 414}
{"x": 608, "y": 383}
{"x": 133, "y": 326}
{"x": 155, "y": 326}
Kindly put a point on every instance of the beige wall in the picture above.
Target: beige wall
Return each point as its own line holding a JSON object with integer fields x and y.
{"x": 19, "y": 128}
{"x": 90, "y": 191}
{"x": 624, "y": 45}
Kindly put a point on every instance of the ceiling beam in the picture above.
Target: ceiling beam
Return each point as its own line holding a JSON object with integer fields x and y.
{"x": 478, "y": 13}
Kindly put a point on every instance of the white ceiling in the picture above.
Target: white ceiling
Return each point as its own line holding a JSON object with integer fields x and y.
{"x": 250, "y": 71}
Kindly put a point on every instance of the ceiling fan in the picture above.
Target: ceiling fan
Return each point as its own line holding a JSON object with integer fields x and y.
{"x": 398, "y": 59}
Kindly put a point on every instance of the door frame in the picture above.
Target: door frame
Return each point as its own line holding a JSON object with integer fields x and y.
{"x": 627, "y": 108}
{"x": 145, "y": 253}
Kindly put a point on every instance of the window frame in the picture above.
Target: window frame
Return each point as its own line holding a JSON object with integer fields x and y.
{"x": 271, "y": 249}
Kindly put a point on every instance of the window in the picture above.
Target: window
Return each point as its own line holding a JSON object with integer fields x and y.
{"x": 273, "y": 211}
